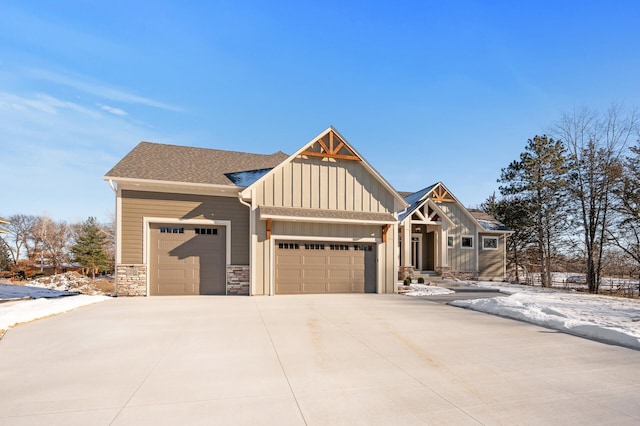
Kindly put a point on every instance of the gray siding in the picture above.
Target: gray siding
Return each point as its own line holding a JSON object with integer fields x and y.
{"x": 491, "y": 261}
{"x": 139, "y": 204}
{"x": 463, "y": 260}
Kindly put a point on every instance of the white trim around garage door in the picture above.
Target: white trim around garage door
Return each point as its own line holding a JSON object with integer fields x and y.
{"x": 147, "y": 221}
{"x": 272, "y": 244}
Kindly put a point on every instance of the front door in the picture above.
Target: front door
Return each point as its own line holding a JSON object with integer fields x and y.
{"x": 416, "y": 251}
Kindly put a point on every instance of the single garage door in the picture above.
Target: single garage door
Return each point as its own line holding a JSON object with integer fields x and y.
{"x": 313, "y": 268}
{"x": 187, "y": 260}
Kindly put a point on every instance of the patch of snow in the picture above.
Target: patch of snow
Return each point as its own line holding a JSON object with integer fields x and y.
{"x": 603, "y": 318}
{"x": 492, "y": 226}
{"x": 426, "y": 290}
{"x": 42, "y": 298}
{"x": 12, "y": 313}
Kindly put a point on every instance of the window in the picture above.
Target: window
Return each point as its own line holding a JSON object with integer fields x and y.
{"x": 288, "y": 246}
{"x": 449, "y": 241}
{"x": 490, "y": 243}
{"x": 338, "y": 247}
{"x": 206, "y": 231}
{"x": 466, "y": 241}
{"x": 314, "y": 246}
{"x": 171, "y": 230}
{"x": 363, "y": 247}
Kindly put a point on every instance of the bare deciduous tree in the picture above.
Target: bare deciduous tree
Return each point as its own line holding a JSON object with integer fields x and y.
{"x": 626, "y": 234}
{"x": 55, "y": 237}
{"x": 595, "y": 142}
{"x": 19, "y": 238}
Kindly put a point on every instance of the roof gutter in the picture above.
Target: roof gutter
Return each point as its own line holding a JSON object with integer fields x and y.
{"x": 113, "y": 186}
{"x": 242, "y": 201}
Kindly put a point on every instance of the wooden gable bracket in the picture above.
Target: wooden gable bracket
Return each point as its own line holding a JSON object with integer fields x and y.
{"x": 333, "y": 150}
{"x": 385, "y": 228}
{"x": 433, "y": 216}
{"x": 441, "y": 194}
{"x": 269, "y": 222}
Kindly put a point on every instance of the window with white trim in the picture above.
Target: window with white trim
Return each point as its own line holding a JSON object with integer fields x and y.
{"x": 449, "y": 241}
{"x": 466, "y": 242}
{"x": 490, "y": 243}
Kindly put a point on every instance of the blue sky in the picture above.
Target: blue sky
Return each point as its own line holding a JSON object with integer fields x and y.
{"x": 426, "y": 91}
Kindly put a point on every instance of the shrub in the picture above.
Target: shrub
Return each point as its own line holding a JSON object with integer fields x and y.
{"x": 407, "y": 281}
{"x": 420, "y": 280}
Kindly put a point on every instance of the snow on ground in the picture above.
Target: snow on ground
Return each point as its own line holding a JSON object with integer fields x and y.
{"x": 426, "y": 290}
{"x": 20, "y": 303}
{"x": 603, "y": 318}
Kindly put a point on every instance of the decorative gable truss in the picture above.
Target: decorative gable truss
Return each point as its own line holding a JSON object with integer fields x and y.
{"x": 425, "y": 214}
{"x": 331, "y": 145}
{"x": 441, "y": 194}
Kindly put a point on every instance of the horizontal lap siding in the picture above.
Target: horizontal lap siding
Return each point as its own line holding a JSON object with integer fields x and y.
{"x": 491, "y": 261}
{"x": 139, "y": 204}
{"x": 460, "y": 259}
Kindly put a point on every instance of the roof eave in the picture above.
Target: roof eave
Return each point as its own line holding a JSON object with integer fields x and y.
{"x": 141, "y": 184}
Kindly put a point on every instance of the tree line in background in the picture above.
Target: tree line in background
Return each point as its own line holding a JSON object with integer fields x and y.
{"x": 573, "y": 197}
{"x": 36, "y": 245}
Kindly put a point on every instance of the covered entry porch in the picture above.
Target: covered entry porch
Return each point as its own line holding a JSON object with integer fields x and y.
{"x": 423, "y": 241}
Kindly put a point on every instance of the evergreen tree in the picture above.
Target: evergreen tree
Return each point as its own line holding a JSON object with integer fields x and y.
{"x": 89, "y": 249}
{"x": 538, "y": 181}
{"x": 515, "y": 213}
{"x": 5, "y": 257}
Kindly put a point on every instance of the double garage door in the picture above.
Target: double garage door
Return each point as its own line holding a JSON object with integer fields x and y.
{"x": 324, "y": 267}
{"x": 187, "y": 260}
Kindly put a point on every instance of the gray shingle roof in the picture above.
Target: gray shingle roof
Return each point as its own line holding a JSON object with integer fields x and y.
{"x": 173, "y": 163}
{"x": 415, "y": 200}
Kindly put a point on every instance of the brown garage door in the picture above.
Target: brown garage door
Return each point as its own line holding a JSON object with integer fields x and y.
{"x": 187, "y": 260}
{"x": 303, "y": 267}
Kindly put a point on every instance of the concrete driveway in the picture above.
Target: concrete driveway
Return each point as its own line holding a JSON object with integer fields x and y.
{"x": 316, "y": 360}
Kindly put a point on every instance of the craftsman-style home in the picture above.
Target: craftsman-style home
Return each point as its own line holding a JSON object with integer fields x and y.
{"x": 322, "y": 220}
{"x": 438, "y": 235}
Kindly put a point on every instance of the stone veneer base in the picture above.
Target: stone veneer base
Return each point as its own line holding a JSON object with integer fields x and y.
{"x": 131, "y": 280}
{"x": 238, "y": 280}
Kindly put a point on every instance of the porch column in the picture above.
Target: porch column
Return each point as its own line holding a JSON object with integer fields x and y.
{"x": 437, "y": 236}
{"x": 445, "y": 246}
{"x": 406, "y": 244}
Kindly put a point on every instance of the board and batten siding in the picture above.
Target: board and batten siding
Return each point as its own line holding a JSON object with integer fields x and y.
{"x": 325, "y": 184}
{"x": 460, "y": 259}
{"x": 136, "y": 205}
{"x": 317, "y": 183}
{"x": 491, "y": 262}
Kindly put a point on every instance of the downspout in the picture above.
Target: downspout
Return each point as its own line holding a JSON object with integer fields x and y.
{"x": 113, "y": 187}
{"x": 251, "y": 248}
{"x": 242, "y": 201}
